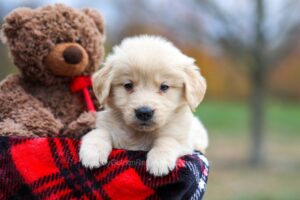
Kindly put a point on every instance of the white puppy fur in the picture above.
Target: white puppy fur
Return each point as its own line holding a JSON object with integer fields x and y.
{"x": 147, "y": 74}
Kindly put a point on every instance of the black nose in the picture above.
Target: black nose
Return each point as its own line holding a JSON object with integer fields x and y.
{"x": 144, "y": 113}
{"x": 72, "y": 55}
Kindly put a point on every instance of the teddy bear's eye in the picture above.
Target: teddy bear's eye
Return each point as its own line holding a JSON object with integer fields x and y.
{"x": 78, "y": 40}
{"x": 57, "y": 40}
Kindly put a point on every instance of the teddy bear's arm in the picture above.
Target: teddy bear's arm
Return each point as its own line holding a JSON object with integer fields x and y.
{"x": 82, "y": 125}
{"x": 23, "y": 115}
{"x": 85, "y": 122}
{"x": 9, "y": 127}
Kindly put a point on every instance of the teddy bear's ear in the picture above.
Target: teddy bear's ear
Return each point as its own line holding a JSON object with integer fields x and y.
{"x": 97, "y": 17}
{"x": 14, "y": 21}
{"x": 2, "y": 36}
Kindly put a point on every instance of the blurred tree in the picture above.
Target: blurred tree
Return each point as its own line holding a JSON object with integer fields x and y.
{"x": 269, "y": 41}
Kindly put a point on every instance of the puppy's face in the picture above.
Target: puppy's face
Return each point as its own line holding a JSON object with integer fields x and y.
{"x": 147, "y": 80}
{"x": 146, "y": 97}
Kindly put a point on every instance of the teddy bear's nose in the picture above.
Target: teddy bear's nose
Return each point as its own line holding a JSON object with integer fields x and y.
{"x": 67, "y": 59}
{"x": 72, "y": 55}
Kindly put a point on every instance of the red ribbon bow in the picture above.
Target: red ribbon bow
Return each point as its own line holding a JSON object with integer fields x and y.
{"x": 81, "y": 83}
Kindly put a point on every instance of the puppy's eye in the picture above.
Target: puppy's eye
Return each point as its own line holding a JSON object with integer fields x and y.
{"x": 164, "y": 87}
{"x": 128, "y": 86}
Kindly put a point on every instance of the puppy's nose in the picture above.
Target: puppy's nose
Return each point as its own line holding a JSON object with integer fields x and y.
{"x": 72, "y": 55}
{"x": 144, "y": 113}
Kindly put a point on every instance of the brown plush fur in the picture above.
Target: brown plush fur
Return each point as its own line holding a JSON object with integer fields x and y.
{"x": 37, "y": 102}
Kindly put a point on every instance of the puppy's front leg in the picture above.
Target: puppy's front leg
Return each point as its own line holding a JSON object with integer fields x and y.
{"x": 161, "y": 159}
{"x": 95, "y": 148}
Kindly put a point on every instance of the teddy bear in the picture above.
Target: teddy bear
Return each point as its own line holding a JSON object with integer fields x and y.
{"x": 56, "y": 49}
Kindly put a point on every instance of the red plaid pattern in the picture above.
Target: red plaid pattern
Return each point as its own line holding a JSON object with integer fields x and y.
{"x": 49, "y": 168}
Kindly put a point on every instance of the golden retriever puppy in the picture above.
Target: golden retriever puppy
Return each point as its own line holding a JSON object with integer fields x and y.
{"x": 149, "y": 89}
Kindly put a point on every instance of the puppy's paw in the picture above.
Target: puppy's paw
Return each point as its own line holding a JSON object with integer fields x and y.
{"x": 160, "y": 163}
{"x": 93, "y": 156}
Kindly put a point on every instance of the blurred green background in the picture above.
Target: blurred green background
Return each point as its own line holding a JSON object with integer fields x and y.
{"x": 249, "y": 52}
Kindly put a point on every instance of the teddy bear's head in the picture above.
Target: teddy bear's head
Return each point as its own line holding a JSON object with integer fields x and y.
{"x": 54, "y": 43}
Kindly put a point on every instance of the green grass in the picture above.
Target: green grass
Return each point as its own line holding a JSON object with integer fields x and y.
{"x": 234, "y": 117}
{"x": 231, "y": 177}
{"x": 283, "y": 118}
{"x": 224, "y": 117}
{"x": 275, "y": 196}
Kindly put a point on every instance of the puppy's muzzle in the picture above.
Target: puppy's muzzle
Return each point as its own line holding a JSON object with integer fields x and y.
{"x": 144, "y": 113}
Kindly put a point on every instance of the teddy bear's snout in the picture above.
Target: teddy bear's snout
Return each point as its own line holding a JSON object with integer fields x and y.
{"x": 72, "y": 55}
{"x": 67, "y": 59}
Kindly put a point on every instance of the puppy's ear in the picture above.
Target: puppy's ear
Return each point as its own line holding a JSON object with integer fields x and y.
{"x": 195, "y": 86}
{"x": 102, "y": 83}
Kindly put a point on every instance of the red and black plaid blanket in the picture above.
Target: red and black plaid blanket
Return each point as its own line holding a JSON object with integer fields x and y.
{"x": 48, "y": 168}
